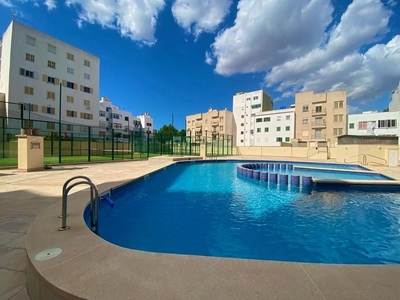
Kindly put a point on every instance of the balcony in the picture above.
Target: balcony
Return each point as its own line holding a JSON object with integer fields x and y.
{"x": 318, "y": 136}
{"x": 214, "y": 123}
{"x": 198, "y": 124}
{"x": 319, "y": 112}
{"x": 319, "y": 124}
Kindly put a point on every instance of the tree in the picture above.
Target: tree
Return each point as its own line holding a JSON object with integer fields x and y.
{"x": 168, "y": 131}
{"x": 385, "y": 110}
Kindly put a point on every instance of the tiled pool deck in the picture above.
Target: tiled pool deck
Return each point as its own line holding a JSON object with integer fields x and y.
{"x": 142, "y": 275}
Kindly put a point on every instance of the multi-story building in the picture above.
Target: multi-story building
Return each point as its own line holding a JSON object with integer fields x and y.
{"x": 321, "y": 116}
{"x": 374, "y": 123}
{"x": 245, "y": 108}
{"x": 112, "y": 117}
{"x": 394, "y": 105}
{"x": 216, "y": 122}
{"x": 275, "y": 126}
{"x": 52, "y": 80}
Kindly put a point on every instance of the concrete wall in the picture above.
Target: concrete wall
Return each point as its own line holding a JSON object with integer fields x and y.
{"x": 374, "y": 153}
{"x": 300, "y": 152}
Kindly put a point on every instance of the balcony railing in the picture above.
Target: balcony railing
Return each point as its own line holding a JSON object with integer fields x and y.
{"x": 321, "y": 123}
{"x": 318, "y": 136}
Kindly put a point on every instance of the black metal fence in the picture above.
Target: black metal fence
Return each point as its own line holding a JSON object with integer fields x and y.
{"x": 88, "y": 143}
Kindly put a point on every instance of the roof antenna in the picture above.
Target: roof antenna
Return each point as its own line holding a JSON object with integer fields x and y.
{"x": 15, "y": 17}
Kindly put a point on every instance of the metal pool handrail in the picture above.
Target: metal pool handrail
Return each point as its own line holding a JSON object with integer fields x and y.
{"x": 363, "y": 162}
{"x": 378, "y": 158}
{"x": 94, "y": 203}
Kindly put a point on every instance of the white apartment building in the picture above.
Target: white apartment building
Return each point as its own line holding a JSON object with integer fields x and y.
{"x": 43, "y": 73}
{"x": 113, "y": 117}
{"x": 245, "y": 108}
{"x": 374, "y": 123}
{"x": 273, "y": 127}
{"x": 394, "y": 105}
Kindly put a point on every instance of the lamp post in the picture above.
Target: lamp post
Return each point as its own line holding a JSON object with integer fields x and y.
{"x": 59, "y": 127}
{"x": 148, "y": 142}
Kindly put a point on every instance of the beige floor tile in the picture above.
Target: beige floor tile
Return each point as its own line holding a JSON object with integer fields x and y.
{"x": 13, "y": 226}
{"x": 17, "y": 243}
{"x": 6, "y": 237}
{"x": 4, "y": 250}
{"x": 14, "y": 260}
{"x": 11, "y": 283}
{"x": 21, "y": 295}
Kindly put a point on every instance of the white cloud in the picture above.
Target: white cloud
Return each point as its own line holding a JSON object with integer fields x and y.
{"x": 209, "y": 59}
{"x": 6, "y": 3}
{"x": 197, "y": 16}
{"x": 135, "y": 19}
{"x": 267, "y": 33}
{"x": 300, "y": 49}
{"x": 51, "y": 4}
{"x": 351, "y": 109}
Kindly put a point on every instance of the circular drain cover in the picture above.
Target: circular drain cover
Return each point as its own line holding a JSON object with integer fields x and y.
{"x": 48, "y": 254}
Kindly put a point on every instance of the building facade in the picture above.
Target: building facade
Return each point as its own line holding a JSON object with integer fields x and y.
{"x": 374, "y": 123}
{"x": 273, "y": 127}
{"x": 245, "y": 108}
{"x": 216, "y": 122}
{"x": 394, "y": 105}
{"x": 52, "y": 80}
{"x": 321, "y": 116}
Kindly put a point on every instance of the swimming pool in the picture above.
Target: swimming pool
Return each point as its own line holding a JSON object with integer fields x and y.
{"x": 206, "y": 209}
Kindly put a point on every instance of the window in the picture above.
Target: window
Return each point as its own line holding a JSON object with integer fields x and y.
{"x": 267, "y": 119}
{"x": 255, "y": 105}
{"x": 116, "y": 116}
{"x": 87, "y": 116}
{"x": 148, "y": 124}
{"x": 351, "y": 125}
{"x": 51, "y": 95}
{"x": 241, "y": 124}
{"x": 305, "y": 121}
{"x": 278, "y": 128}
{"x": 51, "y": 64}
{"x": 337, "y": 131}
{"x": 48, "y": 110}
{"x": 51, "y": 80}
{"x": 86, "y": 63}
{"x": 305, "y": 108}
{"x": 86, "y": 76}
{"x": 30, "y": 40}
{"x": 338, "y": 104}
{"x": 278, "y": 118}
{"x": 28, "y": 90}
{"x": 30, "y": 57}
{"x": 83, "y": 129}
{"x": 338, "y": 118}
{"x": 28, "y": 123}
{"x": 287, "y": 128}
{"x": 117, "y": 125}
{"x": 70, "y": 99}
{"x": 127, "y": 119}
{"x": 387, "y": 123}
{"x": 242, "y": 132}
{"x": 362, "y": 125}
{"x": 288, "y": 117}
{"x": 102, "y": 124}
{"x": 266, "y": 129}
{"x": 70, "y": 84}
{"x": 258, "y": 120}
{"x": 26, "y": 73}
{"x": 86, "y": 102}
{"x": 258, "y": 129}
{"x": 241, "y": 141}
{"x": 221, "y": 119}
{"x": 221, "y": 128}
{"x": 71, "y": 113}
{"x": 70, "y": 56}
{"x": 242, "y": 116}
{"x": 30, "y": 107}
{"x": 279, "y": 139}
{"x": 86, "y": 89}
{"x": 287, "y": 139}
{"x": 205, "y": 121}
{"x": 318, "y": 109}
{"x": 51, "y": 126}
{"x": 51, "y": 49}
{"x": 255, "y": 97}
{"x": 68, "y": 127}
{"x": 70, "y": 71}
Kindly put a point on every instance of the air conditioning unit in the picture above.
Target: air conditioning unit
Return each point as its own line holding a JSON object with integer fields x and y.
{"x": 87, "y": 107}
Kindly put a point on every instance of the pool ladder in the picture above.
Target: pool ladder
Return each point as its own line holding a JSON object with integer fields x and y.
{"x": 94, "y": 202}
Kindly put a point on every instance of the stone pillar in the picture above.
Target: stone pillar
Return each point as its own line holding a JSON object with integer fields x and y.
{"x": 30, "y": 151}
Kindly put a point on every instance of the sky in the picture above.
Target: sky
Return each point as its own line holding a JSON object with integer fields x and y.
{"x": 173, "y": 58}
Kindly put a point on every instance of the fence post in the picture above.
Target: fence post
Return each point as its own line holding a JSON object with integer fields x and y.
{"x": 4, "y": 137}
{"x": 131, "y": 142}
{"x": 161, "y": 143}
{"x": 148, "y": 143}
{"x": 22, "y": 115}
{"x": 104, "y": 144}
{"x": 89, "y": 142}
{"x": 112, "y": 144}
{"x": 190, "y": 143}
{"x": 172, "y": 145}
{"x": 72, "y": 144}
{"x": 52, "y": 143}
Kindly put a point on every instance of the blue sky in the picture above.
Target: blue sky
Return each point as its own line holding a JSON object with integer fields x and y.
{"x": 183, "y": 56}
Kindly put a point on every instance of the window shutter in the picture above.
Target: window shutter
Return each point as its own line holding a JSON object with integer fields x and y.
{"x": 64, "y": 83}
{"x": 91, "y": 90}
{"x": 57, "y": 81}
{"x": 53, "y": 111}
{"x": 75, "y": 86}
{"x": 44, "y": 109}
{"x": 90, "y": 117}
{"x": 44, "y": 78}
{"x": 35, "y": 107}
{"x": 82, "y": 88}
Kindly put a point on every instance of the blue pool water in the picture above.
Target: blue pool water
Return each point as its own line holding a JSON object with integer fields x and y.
{"x": 206, "y": 209}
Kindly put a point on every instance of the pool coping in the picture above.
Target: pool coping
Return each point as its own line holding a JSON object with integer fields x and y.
{"x": 92, "y": 268}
